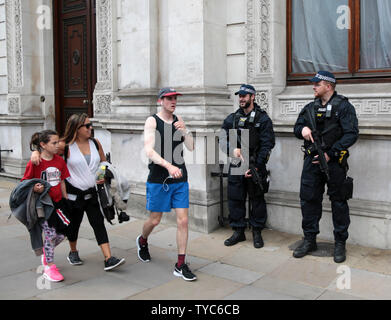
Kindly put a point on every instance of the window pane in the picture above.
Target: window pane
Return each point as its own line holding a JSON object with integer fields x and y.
{"x": 320, "y": 34}
{"x": 375, "y": 34}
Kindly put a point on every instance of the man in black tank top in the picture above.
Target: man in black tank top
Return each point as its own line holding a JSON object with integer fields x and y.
{"x": 167, "y": 187}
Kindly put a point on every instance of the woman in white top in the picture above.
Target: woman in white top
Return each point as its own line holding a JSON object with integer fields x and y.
{"x": 83, "y": 157}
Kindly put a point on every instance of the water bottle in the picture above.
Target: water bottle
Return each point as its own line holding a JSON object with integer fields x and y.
{"x": 100, "y": 175}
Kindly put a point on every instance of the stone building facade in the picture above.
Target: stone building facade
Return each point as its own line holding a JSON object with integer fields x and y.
{"x": 205, "y": 49}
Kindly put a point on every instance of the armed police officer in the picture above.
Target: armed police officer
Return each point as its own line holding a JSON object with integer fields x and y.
{"x": 329, "y": 126}
{"x": 249, "y": 147}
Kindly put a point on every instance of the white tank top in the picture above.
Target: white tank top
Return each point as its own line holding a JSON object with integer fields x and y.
{"x": 82, "y": 174}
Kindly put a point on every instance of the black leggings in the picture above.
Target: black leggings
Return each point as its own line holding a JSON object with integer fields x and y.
{"x": 95, "y": 218}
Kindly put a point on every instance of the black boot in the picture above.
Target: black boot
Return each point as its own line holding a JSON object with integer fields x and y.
{"x": 306, "y": 247}
{"x": 339, "y": 252}
{"x": 257, "y": 238}
{"x": 238, "y": 236}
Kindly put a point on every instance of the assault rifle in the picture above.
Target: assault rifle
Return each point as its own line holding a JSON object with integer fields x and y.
{"x": 255, "y": 175}
{"x": 317, "y": 145}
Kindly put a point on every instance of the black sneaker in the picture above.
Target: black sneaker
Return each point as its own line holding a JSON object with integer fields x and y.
{"x": 113, "y": 262}
{"x": 142, "y": 251}
{"x": 74, "y": 259}
{"x": 184, "y": 272}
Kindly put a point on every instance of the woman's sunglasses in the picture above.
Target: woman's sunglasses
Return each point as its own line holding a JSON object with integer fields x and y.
{"x": 87, "y": 125}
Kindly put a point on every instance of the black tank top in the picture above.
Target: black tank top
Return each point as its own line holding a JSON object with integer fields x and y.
{"x": 169, "y": 145}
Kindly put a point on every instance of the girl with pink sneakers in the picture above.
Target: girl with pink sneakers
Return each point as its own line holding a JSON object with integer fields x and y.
{"x": 53, "y": 170}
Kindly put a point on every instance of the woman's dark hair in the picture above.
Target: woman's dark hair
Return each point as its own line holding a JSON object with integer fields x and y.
{"x": 73, "y": 124}
{"x": 42, "y": 136}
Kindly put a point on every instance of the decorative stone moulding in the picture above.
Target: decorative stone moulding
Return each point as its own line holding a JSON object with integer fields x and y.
{"x": 102, "y": 104}
{"x": 104, "y": 44}
{"x": 259, "y": 30}
{"x": 14, "y": 44}
{"x": 13, "y": 104}
{"x": 262, "y": 99}
{"x": 365, "y": 108}
{"x": 104, "y": 34}
{"x": 372, "y": 107}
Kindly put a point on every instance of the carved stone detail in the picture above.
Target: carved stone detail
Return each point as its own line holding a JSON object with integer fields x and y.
{"x": 258, "y": 39}
{"x": 14, "y": 44}
{"x": 262, "y": 99}
{"x": 13, "y": 104}
{"x": 102, "y": 104}
{"x": 104, "y": 44}
{"x": 365, "y": 108}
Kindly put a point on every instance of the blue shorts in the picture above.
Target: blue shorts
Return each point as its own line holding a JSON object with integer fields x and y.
{"x": 163, "y": 198}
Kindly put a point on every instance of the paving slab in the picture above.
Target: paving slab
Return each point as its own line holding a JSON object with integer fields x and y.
{"x": 279, "y": 239}
{"x": 290, "y": 288}
{"x": 9, "y": 231}
{"x": 166, "y": 238}
{"x": 221, "y": 234}
{"x": 4, "y": 195}
{"x": 208, "y": 248}
{"x": 238, "y": 272}
{"x": 255, "y": 293}
{"x": 307, "y": 272}
{"x": 258, "y": 260}
{"x": 364, "y": 284}
{"x": 375, "y": 260}
{"x": 170, "y": 257}
{"x": 84, "y": 246}
{"x": 332, "y": 295}
{"x": 149, "y": 274}
{"x": 17, "y": 256}
{"x": 24, "y": 285}
{"x": 121, "y": 242}
{"x": 7, "y": 220}
{"x": 132, "y": 229}
{"x": 231, "y": 273}
{"x": 7, "y": 184}
{"x": 206, "y": 287}
{"x": 103, "y": 287}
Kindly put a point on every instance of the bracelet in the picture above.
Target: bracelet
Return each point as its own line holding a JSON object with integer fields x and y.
{"x": 187, "y": 132}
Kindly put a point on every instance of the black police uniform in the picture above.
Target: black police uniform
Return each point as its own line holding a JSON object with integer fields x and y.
{"x": 338, "y": 122}
{"x": 261, "y": 143}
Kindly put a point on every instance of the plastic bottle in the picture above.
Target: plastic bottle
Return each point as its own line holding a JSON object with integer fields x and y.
{"x": 100, "y": 174}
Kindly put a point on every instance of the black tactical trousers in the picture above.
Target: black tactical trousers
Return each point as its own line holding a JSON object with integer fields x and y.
{"x": 238, "y": 188}
{"x": 311, "y": 195}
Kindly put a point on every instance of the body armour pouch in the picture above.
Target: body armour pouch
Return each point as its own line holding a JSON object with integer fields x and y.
{"x": 347, "y": 188}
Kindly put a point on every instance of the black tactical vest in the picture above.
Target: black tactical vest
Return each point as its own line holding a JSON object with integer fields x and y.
{"x": 327, "y": 120}
{"x": 249, "y": 122}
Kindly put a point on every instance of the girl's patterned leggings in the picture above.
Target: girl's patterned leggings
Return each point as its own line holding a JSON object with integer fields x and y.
{"x": 52, "y": 240}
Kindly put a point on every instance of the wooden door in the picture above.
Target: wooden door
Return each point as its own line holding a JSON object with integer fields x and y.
{"x": 74, "y": 57}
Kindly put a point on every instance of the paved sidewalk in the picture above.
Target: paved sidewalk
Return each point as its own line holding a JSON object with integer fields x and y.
{"x": 235, "y": 273}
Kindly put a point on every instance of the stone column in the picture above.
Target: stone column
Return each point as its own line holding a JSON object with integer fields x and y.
{"x": 166, "y": 43}
{"x": 29, "y": 70}
{"x": 192, "y": 58}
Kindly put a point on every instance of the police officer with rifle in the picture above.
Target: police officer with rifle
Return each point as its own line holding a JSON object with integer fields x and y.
{"x": 248, "y": 138}
{"x": 329, "y": 126}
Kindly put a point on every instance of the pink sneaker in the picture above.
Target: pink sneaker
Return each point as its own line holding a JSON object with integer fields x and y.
{"x": 52, "y": 274}
{"x": 43, "y": 259}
